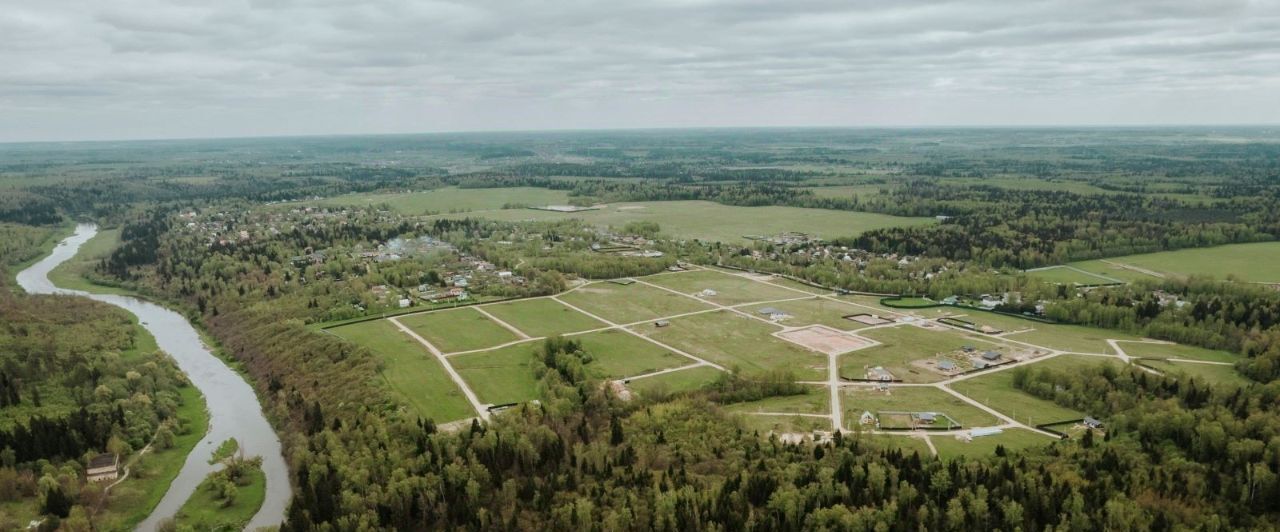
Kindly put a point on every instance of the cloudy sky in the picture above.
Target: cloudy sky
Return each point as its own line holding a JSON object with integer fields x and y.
{"x": 95, "y": 69}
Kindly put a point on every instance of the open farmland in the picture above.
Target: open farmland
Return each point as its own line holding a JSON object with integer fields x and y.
{"x": 1247, "y": 262}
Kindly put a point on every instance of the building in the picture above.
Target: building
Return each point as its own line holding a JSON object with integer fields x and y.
{"x": 707, "y": 292}
{"x": 983, "y": 431}
{"x": 405, "y": 302}
{"x": 867, "y": 418}
{"x": 1092, "y": 422}
{"x": 661, "y": 323}
{"x": 990, "y": 356}
{"x": 879, "y": 374}
{"x": 767, "y": 311}
{"x": 946, "y": 365}
{"x": 103, "y": 467}
{"x": 927, "y": 417}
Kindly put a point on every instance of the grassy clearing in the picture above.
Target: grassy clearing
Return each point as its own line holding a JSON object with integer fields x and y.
{"x": 996, "y": 391}
{"x": 924, "y": 399}
{"x": 730, "y": 289}
{"x": 788, "y": 283}
{"x": 463, "y": 329}
{"x": 1072, "y": 338}
{"x": 813, "y": 401}
{"x": 1247, "y": 262}
{"x": 619, "y": 354}
{"x": 1010, "y": 439}
{"x": 1188, "y": 352}
{"x": 784, "y": 424}
{"x": 904, "y": 443}
{"x": 500, "y": 376}
{"x": 454, "y": 200}
{"x": 816, "y": 311}
{"x": 1111, "y": 270}
{"x": 733, "y": 340}
{"x": 543, "y": 317}
{"x": 630, "y": 303}
{"x": 206, "y": 510}
{"x": 676, "y": 381}
{"x": 901, "y": 346}
{"x": 1064, "y": 275}
{"x": 710, "y": 221}
{"x": 1211, "y": 373}
{"x": 410, "y": 371}
{"x": 1069, "y": 363}
{"x": 72, "y": 273}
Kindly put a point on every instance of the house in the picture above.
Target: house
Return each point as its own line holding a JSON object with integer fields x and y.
{"x": 980, "y": 364}
{"x": 405, "y": 302}
{"x": 990, "y": 356}
{"x": 979, "y": 432}
{"x": 927, "y": 417}
{"x": 867, "y": 418}
{"x": 769, "y": 311}
{"x": 1092, "y": 422}
{"x": 968, "y": 349}
{"x": 879, "y": 374}
{"x": 707, "y": 292}
{"x": 946, "y": 365}
{"x": 461, "y": 282}
{"x": 661, "y": 323}
{"x": 103, "y": 467}
{"x": 950, "y": 300}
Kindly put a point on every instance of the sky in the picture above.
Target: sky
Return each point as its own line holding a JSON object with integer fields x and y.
{"x": 124, "y": 69}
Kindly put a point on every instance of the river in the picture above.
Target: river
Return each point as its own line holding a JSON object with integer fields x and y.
{"x": 234, "y": 411}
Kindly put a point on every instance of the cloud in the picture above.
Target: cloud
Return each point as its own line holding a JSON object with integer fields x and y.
{"x": 164, "y": 68}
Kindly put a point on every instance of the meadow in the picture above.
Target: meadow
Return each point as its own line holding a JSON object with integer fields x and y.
{"x": 729, "y": 289}
{"x": 997, "y": 392}
{"x": 409, "y": 370}
{"x": 631, "y": 303}
{"x": 543, "y": 317}
{"x": 733, "y": 340}
{"x": 1247, "y": 262}
{"x": 452, "y": 199}
{"x": 1010, "y": 439}
{"x": 462, "y": 329}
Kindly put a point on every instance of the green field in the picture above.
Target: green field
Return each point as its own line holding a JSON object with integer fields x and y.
{"x": 453, "y": 200}
{"x": 463, "y": 329}
{"x": 1010, "y": 439}
{"x": 410, "y": 371}
{"x": 733, "y": 340}
{"x": 915, "y": 399}
{"x": 710, "y": 221}
{"x": 1070, "y": 275}
{"x": 630, "y": 303}
{"x": 1247, "y": 262}
{"x": 730, "y": 289}
{"x": 205, "y": 509}
{"x": 997, "y": 392}
{"x": 817, "y": 311}
{"x": 1212, "y": 373}
{"x": 543, "y": 317}
{"x": 784, "y": 424}
{"x": 500, "y": 376}
{"x": 1186, "y": 352}
{"x": 620, "y": 354}
{"x": 814, "y": 401}
{"x": 1110, "y": 270}
{"x": 1073, "y": 338}
{"x": 901, "y": 346}
{"x": 676, "y": 381}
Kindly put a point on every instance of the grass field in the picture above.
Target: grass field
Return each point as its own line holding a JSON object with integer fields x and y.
{"x": 1187, "y": 352}
{"x": 1010, "y": 439}
{"x": 710, "y": 221}
{"x": 452, "y": 200}
{"x": 463, "y": 329}
{"x": 676, "y": 381}
{"x": 814, "y": 401}
{"x": 1069, "y": 275}
{"x": 1069, "y": 363}
{"x": 1212, "y": 373}
{"x": 543, "y": 317}
{"x": 619, "y": 354}
{"x": 901, "y": 346}
{"x": 817, "y": 311}
{"x": 730, "y": 289}
{"x": 1072, "y": 338}
{"x": 906, "y": 444}
{"x": 784, "y": 424}
{"x": 205, "y": 510}
{"x": 500, "y": 376}
{"x": 1110, "y": 270}
{"x": 630, "y": 303}
{"x": 923, "y": 399}
{"x": 997, "y": 392}
{"x": 733, "y": 340}
{"x": 410, "y": 371}
{"x": 1247, "y": 262}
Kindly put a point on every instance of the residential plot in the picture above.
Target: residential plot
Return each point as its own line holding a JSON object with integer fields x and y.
{"x": 722, "y": 288}
{"x": 676, "y": 381}
{"x": 765, "y": 424}
{"x": 1073, "y": 338}
{"x": 463, "y": 329}
{"x": 631, "y": 303}
{"x": 619, "y": 354}
{"x": 410, "y": 371}
{"x": 816, "y": 311}
{"x": 1111, "y": 269}
{"x": 543, "y": 317}
{"x": 857, "y": 400}
{"x": 814, "y": 401}
{"x": 1011, "y": 439}
{"x": 1187, "y": 352}
{"x": 730, "y": 340}
{"x": 996, "y": 390}
{"x": 901, "y": 347}
{"x": 1212, "y": 373}
{"x": 500, "y": 376}
{"x": 1071, "y": 275}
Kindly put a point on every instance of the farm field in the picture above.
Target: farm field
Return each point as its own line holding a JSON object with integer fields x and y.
{"x": 463, "y": 329}
{"x": 729, "y": 289}
{"x": 630, "y": 303}
{"x": 1253, "y": 262}
{"x": 452, "y": 199}
{"x": 733, "y": 340}
{"x": 500, "y": 376}
{"x": 916, "y": 399}
{"x": 543, "y": 317}
{"x": 619, "y": 354}
{"x": 997, "y": 392}
{"x": 409, "y": 370}
{"x": 676, "y": 381}
{"x": 705, "y": 220}
{"x": 816, "y": 311}
{"x": 1010, "y": 439}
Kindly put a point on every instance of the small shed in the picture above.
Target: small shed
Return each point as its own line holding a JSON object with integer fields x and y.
{"x": 707, "y": 292}
{"x": 661, "y": 323}
{"x": 927, "y": 417}
{"x": 946, "y": 365}
{"x": 979, "y": 432}
{"x": 990, "y": 356}
{"x": 867, "y": 418}
{"x": 1092, "y": 422}
{"x": 105, "y": 466}
{"x": 769, "y": 311}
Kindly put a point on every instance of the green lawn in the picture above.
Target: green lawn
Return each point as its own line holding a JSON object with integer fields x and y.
{"x": 543, "y": 317}
{"x": 733, "y": 340}
{"x": 1010, "y": 439}
{"x": 1072, "y": 338}
{"x": 205, "y": 510}
{"x": 1071, "y": 363}
{"x": 710, "y": 221}
{"x": 453, "y": 200}
{"x": 1248, "y": 262}
{"x": 901, "y": 346}
{"x": 996, "y": 391}
{"x": 730, "y": 289}
{"x": 1187, "y": 352}
{"x": 817, "y": 311}
{"x": 500, "y": 376}
{"x": 1066, "y": 275}
{"x": 410, "y": 371}
{"x": 630, "y": 303}
{"x": 463, "y": 329}
{"x": 1211, "y": 373}
{"x": 676, "y": 381}
{"x": 619, "y": 354}
{"x": 815, "y": 400}
{"x": 924, "y": 399}
{"x": 1111, "y": 270}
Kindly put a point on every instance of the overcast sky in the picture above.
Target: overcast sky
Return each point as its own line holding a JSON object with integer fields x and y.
{"x": 108, "y": 69}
